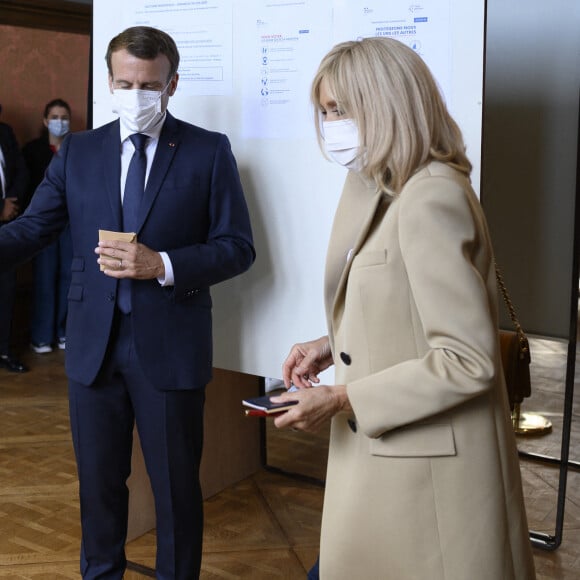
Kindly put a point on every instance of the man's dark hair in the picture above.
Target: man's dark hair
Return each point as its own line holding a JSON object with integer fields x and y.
{"x": 146, "y": 43}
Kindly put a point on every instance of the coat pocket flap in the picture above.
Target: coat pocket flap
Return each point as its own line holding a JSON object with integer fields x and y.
{"x": 374, "y": 258}
{"x": 423, "y": 440}
{"x": 75, "y": 292}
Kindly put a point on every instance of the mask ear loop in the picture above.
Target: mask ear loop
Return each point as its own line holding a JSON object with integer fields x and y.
{"x": 166, "y": 86}
{"x": 161, "y": 93}
{"x": 321, "y": 125}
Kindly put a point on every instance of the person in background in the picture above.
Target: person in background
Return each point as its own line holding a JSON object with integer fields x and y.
{"x": 139, "y": 323}
{"x": 423, "y": 476}
{"x": 13, "y": 184}
{"x": 52, "y": 265}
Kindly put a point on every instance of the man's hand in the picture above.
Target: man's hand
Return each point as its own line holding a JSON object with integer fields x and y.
{"x": 129, "y": 260}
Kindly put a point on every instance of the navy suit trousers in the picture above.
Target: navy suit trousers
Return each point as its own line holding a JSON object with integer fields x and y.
{"x": 170, "y": 426}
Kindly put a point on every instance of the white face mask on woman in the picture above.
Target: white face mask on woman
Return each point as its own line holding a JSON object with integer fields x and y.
{"x": 139, "y": 110}
{"x": 58, "y": 127}
{"x": 341, "y": 142}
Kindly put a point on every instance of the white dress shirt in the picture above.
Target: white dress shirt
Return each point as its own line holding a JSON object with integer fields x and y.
{"x": 127, "y": 150}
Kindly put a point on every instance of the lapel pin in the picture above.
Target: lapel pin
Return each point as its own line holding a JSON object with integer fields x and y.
{"x": 171, "y": 144}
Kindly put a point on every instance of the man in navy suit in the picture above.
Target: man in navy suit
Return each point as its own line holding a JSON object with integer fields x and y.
{"x": 13, "y": 185}
{"x": 148, "y": 357}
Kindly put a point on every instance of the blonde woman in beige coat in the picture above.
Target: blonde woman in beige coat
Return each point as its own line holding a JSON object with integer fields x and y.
{"x": 423, "y": 479}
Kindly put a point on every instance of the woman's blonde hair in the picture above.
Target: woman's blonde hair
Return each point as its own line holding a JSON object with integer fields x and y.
{"x": 391, "y": 95}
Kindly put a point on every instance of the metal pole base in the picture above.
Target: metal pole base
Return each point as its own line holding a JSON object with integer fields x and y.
{"x": 530, "y": 423}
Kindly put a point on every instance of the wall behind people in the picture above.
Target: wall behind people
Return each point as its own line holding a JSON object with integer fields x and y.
{"x": 36, "y": 66}
{"x": 39, "y": 65}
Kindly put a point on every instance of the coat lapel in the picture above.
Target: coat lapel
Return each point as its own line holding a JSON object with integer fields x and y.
{"x": 168, "y": 143}
{"x": 354, "y": 216}
{"x": 112, "y": 172}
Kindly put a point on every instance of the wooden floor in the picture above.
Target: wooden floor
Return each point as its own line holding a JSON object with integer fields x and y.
{"x": 264, "y": 527}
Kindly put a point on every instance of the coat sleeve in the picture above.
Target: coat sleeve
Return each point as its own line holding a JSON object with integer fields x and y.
{"x": 440, "y": 235}
{"x": 43, "y": 220}
{"x": 228, "y": 249}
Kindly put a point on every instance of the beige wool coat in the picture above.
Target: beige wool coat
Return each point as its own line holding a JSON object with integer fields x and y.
{"x": 423, "y": 480}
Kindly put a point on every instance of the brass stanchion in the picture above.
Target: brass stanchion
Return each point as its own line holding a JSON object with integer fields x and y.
{"x": 529, "y": 423}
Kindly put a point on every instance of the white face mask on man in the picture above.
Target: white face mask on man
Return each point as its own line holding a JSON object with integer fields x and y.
{"x": 138, "y": 109}
{"x": 341, "y": 141}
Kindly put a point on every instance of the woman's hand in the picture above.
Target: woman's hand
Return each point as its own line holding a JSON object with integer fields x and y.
{"x": 314, "y": 408}
{"x": 305, "y": 361}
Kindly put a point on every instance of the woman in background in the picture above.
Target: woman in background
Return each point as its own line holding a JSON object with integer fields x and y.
{"x": 423, "y": 477}
{"x": 52, "y": 266}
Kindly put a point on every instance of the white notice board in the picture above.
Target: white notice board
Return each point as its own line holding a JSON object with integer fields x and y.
{"x": 246, "y": 68}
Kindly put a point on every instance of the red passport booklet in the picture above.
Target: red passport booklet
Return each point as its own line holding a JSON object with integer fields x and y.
{"x": 264, "y": 407}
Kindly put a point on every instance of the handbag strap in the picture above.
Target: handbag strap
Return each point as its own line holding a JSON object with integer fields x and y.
{"x": 523, "y": 339}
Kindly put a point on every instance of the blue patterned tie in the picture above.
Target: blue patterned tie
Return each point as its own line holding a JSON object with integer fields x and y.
{"x": 134, "y": 188}
{"x": 135, "y": 183}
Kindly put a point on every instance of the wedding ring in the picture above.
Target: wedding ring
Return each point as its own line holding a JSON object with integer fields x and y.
{"x": 120, "y": 264}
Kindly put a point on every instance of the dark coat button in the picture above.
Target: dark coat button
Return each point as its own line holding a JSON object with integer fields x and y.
{"x": 352, "y": 425}
{"x": 345, "y": 358}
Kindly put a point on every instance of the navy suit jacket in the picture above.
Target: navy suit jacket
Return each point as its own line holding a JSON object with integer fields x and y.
{"x": 193, "y": 208}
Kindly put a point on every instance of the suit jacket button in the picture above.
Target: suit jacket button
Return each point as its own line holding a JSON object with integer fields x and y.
{"x": 111, "y": 297}
{"x": 352, "y": 425}
{"x": 345, "y": 358}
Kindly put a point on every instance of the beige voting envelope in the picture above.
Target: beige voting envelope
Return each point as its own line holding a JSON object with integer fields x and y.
{"x": 106, "y": 235}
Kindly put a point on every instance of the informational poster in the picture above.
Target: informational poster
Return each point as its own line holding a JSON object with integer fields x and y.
{"x": 282, "y": 43}
{"x": 288, "y": 40}
{"x": 202, "y": 30}
{"x": 423, "y": 25}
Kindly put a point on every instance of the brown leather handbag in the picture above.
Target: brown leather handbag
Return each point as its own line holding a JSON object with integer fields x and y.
{"x": 515, "y": 353}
